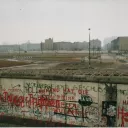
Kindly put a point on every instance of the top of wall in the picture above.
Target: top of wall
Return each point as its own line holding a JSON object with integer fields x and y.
{"x": 89, "y": 76}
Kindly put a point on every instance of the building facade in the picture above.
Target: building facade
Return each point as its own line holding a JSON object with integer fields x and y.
{"x": 62, "y": 46}
{"x": 9, "y": 48}
{"x": 95, "y": 44}
{"x": 28, "y": 46}
{"x": 120, "y": 44}
{"x": 48, "y": 45}
{"x": 78, "y": 46}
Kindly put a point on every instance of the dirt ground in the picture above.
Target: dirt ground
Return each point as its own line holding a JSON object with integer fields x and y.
{"x": 66, "y": 61}
{"x": 64, "y": 57}
{"x": 6, "y": 63}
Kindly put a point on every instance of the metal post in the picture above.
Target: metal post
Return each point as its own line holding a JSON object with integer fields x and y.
{"x": 107, "y": 47}
{"x": 93, "y": 47}
{"x": 89, "y": 49}
{"x": 100, "y": 53}
{"x": 41, "y": 45}
{"x": 19, "y": 49}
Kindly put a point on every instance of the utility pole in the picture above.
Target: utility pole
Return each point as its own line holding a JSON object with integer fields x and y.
{"x": 100, "y": 54}
{"x": 41, "y": 46}
{"x": 19, "y": 49}
{"x": 107, "y": 47}
{"x": 89, "y": 49}
{"x": 93, "y": 47}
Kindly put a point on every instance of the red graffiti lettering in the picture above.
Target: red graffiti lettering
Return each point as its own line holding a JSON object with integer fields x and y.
{"x": 30, "y": 100}
{"x": 68, "y": 90}
{"x": 21, "y": 101}
{"x": 49, "y": 90}
{"x": 71, "y": 105}
{"x": 10, "y": 98}
{"x": 83, "y": 92}
{"x": 124, "y": 116}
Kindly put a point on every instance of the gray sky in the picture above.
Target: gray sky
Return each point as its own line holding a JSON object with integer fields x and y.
{"x": 64, "y": 20}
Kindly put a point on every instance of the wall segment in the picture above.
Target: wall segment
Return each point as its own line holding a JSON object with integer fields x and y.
{"x": 79, "y": 103}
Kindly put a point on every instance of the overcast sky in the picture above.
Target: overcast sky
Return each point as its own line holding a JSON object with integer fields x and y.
{"x": 62, "y": 20}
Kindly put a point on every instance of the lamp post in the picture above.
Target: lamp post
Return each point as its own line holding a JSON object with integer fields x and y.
{"x": 41, "y": 47}
{"x": 89, "y": 49}
{"x": 19, "y": 49}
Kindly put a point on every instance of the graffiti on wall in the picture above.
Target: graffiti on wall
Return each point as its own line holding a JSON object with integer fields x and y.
{"x": 122, "y": 106}
{"x": 71, "y": 103}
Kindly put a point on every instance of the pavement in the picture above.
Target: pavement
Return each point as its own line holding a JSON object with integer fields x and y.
{"x": 107, "y": 58}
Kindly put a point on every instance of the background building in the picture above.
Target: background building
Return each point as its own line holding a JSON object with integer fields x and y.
{"x": 48, "y": 45}
{"x": 120, "y": 44}
{"x": 63, "y": 45}
{"x": 107, "y": 42}
{"x": 78, "y": 46}
{"x": 95, "y": 44}
{"x": 9, "y": 48}
{"x": 30, "y": 46}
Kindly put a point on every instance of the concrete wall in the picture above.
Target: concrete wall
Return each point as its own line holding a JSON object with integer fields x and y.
{"x": 22, "y": 97}
{"x": 64, "y": 101}
{"x": 122, "y": 106}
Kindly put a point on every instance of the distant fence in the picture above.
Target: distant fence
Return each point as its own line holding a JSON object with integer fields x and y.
{"x": 22, "y": 57}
